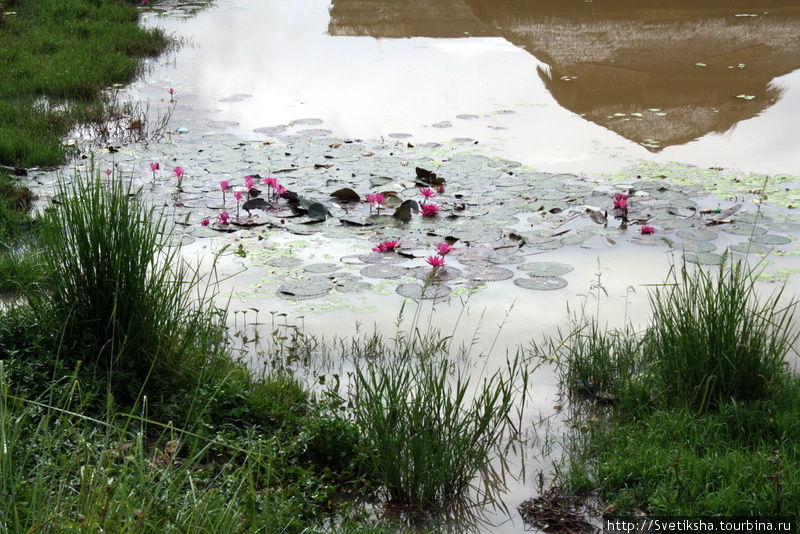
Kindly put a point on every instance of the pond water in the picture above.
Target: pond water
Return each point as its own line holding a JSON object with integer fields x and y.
{"x": 531, "y": 112}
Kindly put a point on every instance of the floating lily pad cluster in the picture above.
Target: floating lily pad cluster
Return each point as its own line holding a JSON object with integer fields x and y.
{"x": 494, "y": 212}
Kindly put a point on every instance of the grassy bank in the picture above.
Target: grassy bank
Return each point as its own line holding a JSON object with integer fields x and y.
{"x": 57, "y": 58}
{"x": 697, "y": 415}
{"x": 122, "y": 406}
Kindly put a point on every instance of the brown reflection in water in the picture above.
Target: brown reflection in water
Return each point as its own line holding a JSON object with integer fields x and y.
{"x": 699, "y": 65}
{"x": 405, "y": 18}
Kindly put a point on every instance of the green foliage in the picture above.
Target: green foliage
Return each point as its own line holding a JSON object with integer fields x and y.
{"x": 124, "y": 300}
{"x": 57, "y": 57}
{"x": 712, "y": 340}
{"x": 707, "y": 417}
{"x": 427, "y": 431}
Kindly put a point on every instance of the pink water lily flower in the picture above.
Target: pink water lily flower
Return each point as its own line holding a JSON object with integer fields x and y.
{"x": 435, "y": 261}
{"x": 249, "y": 182}
{"x": 279, "y": 190}
{"x": 375, "y": 200}
{"x": 271, "y": 182}
{"x": 427, "y": 192}
{"x": 429, "y": 210}
{"x": 154, "y": 166}
{"x": 444, "y": 248}
{"x": 440, "y": 189}
{"x": 386, "y": 246}
{"x": 647, "y": 229}
{"x": 205, "y": 222}
{"x": 108, "y": 172}
{"x": 223, "y": 218}
{"x": 171, "y": 91}
{"x": 621, "y": 203}
{"x": 224, "y": 185}
{"x": 237, "y": 195}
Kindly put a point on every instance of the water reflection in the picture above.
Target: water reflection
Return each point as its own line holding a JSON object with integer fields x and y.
{"x": 660, "y": 75}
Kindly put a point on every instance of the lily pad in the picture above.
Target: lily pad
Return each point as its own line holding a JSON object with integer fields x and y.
{"x": 703, "y": 258}
{"x": 698, "y": 234}
{"x": 284, "y": 261}
{"x": 770, "y": 239}
{"x": 321, "y": 268}
{"x": 541, "y": 283}
{"x": 386, "y": 271}
{"x": 506, "y": 258}
{"x": 415, "y": 291}
{"x": 380, "y": 258}
{"x": 546, "y": 268}
{"x": 692, "y": 246}
{"x": 346, "y": 195}
{"x": 748, "y": 247}
{"x": 304, "y": 289}
{"x": 442, "y": 274}
{"x": 743, "y": 229}
{"x": 488, "y": 274}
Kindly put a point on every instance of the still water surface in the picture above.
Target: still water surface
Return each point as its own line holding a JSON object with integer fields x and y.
{"x": 562, "y": 86}
{"x": 591, "y": 84}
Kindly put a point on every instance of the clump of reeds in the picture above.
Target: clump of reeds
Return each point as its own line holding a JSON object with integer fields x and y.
{"x": 712, "y": 339}
{"x": 426, "y": 428}
{"x": 125, "y": 301}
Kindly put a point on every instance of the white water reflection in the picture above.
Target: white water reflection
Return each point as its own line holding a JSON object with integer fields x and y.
{"x": 281, "y": 53}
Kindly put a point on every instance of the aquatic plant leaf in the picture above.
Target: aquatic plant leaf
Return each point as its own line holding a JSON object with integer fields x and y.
{"x": 546, "y": 268}
{"x": 321, "y": 268}
{"x": 697, "y": 234}
{"x": 318, "y": 212}
{"x": 770, "y": 239}
{"x": 487, "y": 273}
{"x": 386, "y": 271}
{"x": 304, "y": 289}
{"x": 346, "y": 195}
{"x": 541, "y": 283}
{"x": 406, "y": 209}
{"x": 416, "y": 291}
{"x": 692, "y": 246}
{"x": 703, "y": 258}
{"x": 255, "y": 204}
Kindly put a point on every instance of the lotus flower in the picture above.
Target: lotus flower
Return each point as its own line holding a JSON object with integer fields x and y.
{"x": 647, "y": 229}
{"x": 238, "y": 196}
{"x": 427, "y": 192}
{"x": 429, "y": 210}
{"x": 205, "y": 222}
{"x": 376, "y": 200}
{"x": 444, "y": 248}
{"x": 386, "y": 246}
{"x": 435, "y": 261}
{"x": 223, "y": 218}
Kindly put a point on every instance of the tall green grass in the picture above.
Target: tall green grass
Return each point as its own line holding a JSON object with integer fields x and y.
{"x": 713, "y": 339}
{"x": 124, "y": 300}
{"x": 427, "y": 429}
{"x": 57, "y": 58}
{"x": 706, "y": 416}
